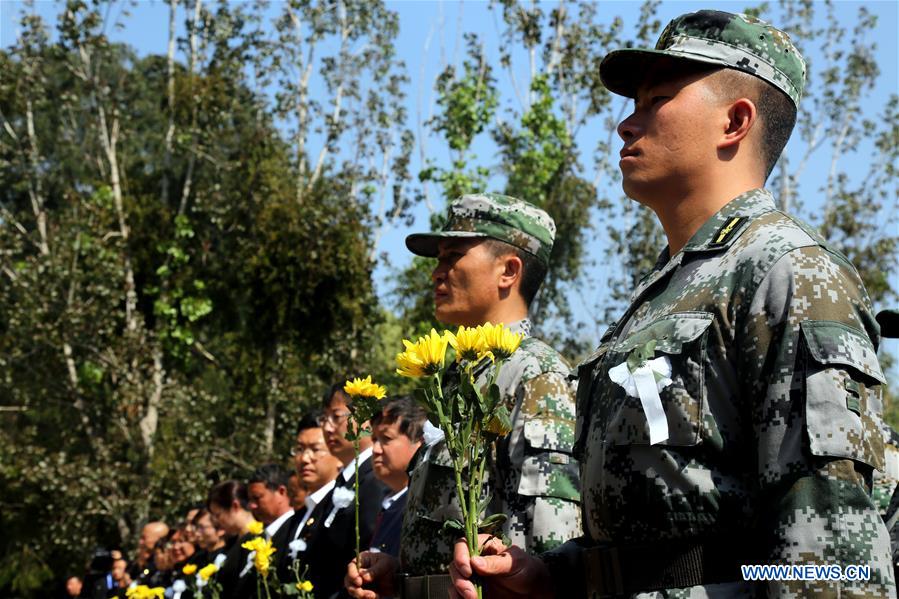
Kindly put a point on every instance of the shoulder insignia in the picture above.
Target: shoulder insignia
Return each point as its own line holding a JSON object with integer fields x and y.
{"x": 727, "y": 231}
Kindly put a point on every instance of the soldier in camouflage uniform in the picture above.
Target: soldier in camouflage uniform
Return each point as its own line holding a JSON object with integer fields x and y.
{"x": 533, "y": 478}
{"x": 731, "y": 416}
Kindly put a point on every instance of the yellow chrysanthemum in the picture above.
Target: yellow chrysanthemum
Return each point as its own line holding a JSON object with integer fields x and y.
{"x": 189, "y": 569}
{"x": 264, "y": 550}
{"x": 142, "y": 591}
{"x": 424, "y": 357}
{"x": 256, "y": 527}
{"x": 500, "y": 341}
{"x": 364, "y": 388}
{"x": 206, "y": 572}
{"x": 468, "y": 343}
{"x": 305, "y": 586}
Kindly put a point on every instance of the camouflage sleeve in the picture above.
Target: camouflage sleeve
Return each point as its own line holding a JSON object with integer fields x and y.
{"x": 811, "y": 370}
{"x": 541, "y": 488}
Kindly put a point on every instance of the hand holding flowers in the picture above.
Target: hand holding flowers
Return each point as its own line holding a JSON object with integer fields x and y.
{"x": 470, "y": 413}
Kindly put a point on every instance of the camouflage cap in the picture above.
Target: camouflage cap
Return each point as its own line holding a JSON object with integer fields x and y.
{"x": 505, "y": 218}
{"x": 714, "y": 37}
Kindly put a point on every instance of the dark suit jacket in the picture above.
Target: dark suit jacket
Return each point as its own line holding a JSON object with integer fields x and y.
{"x": 285, "y": 571}
{"x": 330, "y": 548}
{"x": 389, "y": 524}
{"x": 235, "y": 586}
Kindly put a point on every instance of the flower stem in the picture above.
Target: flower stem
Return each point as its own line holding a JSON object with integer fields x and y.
{"x": 356, "y": 502}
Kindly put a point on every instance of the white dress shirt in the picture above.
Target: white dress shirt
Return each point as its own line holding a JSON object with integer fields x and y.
{"x": 312, "y": 500}
{"x": 388, "y": 501}
{"x": 272, "y": 528}
{"x": 350, "y": 469}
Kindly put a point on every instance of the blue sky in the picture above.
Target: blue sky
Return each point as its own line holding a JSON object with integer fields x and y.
{"x": 430, "y": 37}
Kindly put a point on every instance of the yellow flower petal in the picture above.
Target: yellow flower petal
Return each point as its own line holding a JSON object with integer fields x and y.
{"x": 500, "y": 341}
{"x": 364, "y": 388}
{"x": 256, "y": 527}
{"x": 424, "y": 357}
{"x": 189, "y": 569}
{"x": 469, "y": 344}
{"x": 207, "y": 571}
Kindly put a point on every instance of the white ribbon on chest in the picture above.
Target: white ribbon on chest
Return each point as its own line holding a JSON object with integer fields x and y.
{"x": 644, "y": 383}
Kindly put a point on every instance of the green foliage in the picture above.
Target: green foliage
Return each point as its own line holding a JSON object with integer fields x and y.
{"x": 159, "y": 338}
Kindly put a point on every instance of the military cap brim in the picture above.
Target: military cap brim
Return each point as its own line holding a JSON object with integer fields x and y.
{"x": 427, "y": 244}
{"x": 889, "y": 323}
{"x": 622, "y": 71}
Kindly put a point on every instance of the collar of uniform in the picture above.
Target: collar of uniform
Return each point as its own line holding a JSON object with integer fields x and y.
{"x": 746, "y": 205}
{"x": 522, "y": 326}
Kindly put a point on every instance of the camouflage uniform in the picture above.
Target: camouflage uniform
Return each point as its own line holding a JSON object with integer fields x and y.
{"x": 773, "y": 407}
{"x": 532, "y": 476}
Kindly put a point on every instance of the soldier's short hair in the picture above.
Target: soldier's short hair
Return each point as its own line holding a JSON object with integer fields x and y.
{"x": 776, "y": 112}
{"x": 533, "y": 270}
{"x": 405, "y": 410}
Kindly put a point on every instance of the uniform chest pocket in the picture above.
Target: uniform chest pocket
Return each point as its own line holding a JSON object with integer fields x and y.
{"x": 680, "y": 338}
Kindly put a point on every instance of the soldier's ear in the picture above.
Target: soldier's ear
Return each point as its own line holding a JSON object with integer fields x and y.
{"x": 741, "y": 118}
{"x": 512, "y": 268}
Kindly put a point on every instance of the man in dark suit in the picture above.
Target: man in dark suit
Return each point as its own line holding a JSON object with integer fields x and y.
{"x": 331, "y": 541}
{"x": 317, "y": 470}
{"x": 269, "y": 501}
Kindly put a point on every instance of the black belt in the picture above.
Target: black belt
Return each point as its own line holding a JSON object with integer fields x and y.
{"x": 627, "y": 569}
{"x": 434, "y": 586}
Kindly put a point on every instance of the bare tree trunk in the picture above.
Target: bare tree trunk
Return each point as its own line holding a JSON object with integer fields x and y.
{"x": 785, "y": 191}
{"x": 195, "y": 109}
{"x": 108, "y": 138}
{"x": 170, "y": 96}
{"x": 302, "y": 106}
{"x": 271, "y": 408}
{"x": 35, "y": 190}
{"x": 150, "y": 420}
{"x": 345, "y": 30}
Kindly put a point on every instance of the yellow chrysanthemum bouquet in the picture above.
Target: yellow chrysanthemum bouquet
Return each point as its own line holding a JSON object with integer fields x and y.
{"x": 462, "y": 399}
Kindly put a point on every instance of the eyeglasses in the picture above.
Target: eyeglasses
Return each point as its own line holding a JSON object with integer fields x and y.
{"x": 333, "y": 419}
{"x": 314, "y": 452}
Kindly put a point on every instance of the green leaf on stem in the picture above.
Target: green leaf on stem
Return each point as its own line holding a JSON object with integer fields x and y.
{"x": 492, "y": 523}
{"x": 453, "y": 526}
{"x": 500, "y": 423}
